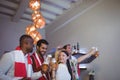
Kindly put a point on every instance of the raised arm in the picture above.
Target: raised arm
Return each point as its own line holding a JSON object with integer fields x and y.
{"x": 83, "y": 57}
{"x": 91, "y": 58}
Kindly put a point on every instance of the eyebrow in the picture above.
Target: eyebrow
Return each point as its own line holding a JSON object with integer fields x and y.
{"x": 44, "y": 48}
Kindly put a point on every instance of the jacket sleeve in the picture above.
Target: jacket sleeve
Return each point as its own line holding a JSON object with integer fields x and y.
{"x": 88, "y": 60}
{"x": 36, "y": 75}
{"x": 5, "y": 64}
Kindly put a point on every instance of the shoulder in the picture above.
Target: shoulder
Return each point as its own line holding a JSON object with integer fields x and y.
{"x": 12, "y": 54}
{"x": 8, "y": 57}
{"x": 9, "y": 54}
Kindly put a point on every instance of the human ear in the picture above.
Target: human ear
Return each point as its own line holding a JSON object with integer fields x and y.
{"x": 37, "y": 47}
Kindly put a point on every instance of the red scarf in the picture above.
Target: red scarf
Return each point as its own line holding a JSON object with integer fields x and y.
{"x": 19, "y": 65}
{"x": 37, "y": 63}
{"x": 18, "y": 48}
{"x": 78, "y": 69}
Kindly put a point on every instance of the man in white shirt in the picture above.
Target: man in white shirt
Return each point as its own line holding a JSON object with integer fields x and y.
{"x": 16, "y": 64}
{"x": 74, "y": 61}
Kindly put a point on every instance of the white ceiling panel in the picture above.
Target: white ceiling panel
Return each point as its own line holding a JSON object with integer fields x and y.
{"x": 18, "y": 10}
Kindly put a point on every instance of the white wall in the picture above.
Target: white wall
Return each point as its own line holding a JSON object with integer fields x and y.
{"x": 10, "y": 33}
{"x": 99, "y": 26}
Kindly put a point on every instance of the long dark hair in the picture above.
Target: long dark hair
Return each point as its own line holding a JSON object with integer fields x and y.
{"x": 68, "y": 64}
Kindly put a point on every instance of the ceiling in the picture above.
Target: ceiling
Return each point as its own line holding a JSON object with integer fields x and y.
{"x": 18, "y": 10}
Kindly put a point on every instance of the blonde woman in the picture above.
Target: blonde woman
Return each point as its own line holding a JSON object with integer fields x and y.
{"x": 64, "y": 71}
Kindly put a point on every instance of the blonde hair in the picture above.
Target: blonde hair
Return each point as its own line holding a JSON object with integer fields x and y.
{"x": 57, "y": 55}
{"x": 58, "y": 51}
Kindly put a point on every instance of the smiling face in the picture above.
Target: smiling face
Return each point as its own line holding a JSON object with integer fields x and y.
{"x": 42, "y": 48}
{"x": 62, "y": 58}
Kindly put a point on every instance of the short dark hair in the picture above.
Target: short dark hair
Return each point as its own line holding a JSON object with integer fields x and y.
{"x": 23, "y": 37}
{"x": 42, "y": 41}
{"x": 65, "y": 46}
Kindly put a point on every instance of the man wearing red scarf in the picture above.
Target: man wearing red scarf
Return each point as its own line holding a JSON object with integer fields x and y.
{"x": 90, "y": 56}
{"x": 16, "y": 65}
{"x": 38, "y": 58}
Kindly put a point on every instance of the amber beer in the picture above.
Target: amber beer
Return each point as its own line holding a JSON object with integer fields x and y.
{"x": 97, "y": 52}
{"x": 53, "y": 66}
{"x": 45, "y": 67}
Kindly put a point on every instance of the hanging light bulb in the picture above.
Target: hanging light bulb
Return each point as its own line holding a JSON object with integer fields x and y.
{"x": 36, "y": 15}
{"x": 30, "y": 28}
{"x": 38, "y": 19}
{"x": 40, "y": 23}
{"x": 35, "y": 35}
{"x": 34, "y": 4}
{"x": 38, "y": 37}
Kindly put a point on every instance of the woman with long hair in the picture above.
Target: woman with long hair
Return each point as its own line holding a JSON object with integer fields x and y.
{"x": 64, "y": 71}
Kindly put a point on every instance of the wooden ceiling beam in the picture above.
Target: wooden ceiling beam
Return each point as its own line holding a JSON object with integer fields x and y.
{"x": 23, "y": 6}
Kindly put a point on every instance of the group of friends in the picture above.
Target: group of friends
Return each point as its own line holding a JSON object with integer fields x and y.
{"x": 20, "y": 65}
